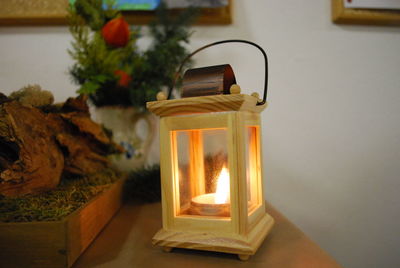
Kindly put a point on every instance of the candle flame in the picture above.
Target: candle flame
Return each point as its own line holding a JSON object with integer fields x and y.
{"x": 222, "y": 192}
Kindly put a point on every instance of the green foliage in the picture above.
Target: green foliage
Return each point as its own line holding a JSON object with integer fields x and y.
{"x": 96, "y": 62}
{"x": 93, "y": 13}
{"x": 71, "y": 194}
{"x": 144, "y": 185}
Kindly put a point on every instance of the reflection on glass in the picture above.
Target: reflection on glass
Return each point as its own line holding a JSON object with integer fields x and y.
{"x": 253, "y": 175}
{"x": 203, "y": 176}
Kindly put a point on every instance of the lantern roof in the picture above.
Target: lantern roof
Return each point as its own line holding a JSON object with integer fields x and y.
{"x": 206, "y": 104}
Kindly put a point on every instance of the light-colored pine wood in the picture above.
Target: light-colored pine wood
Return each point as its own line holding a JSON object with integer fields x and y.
{"x": 254, "y": 167}
{"x": 167, "y": 249}
{"x": 248, "y": 224}
{"x": 243, "y": 257}
{"x": 197, "y": 121}
{"x": 255, "y": 216}
{"x": 237, "y": 168}
{"x": 235, "y": 89}
{"x": 206, "y": 104}
{"x": 215, "y": 241}
{"x": 342, "y": 15}
{"x": 256, "y": 95}
{"x": 196, "y": 156}
{"x": 58, "y": 243}
{"x": 169, "y": 174}
{"x": 202, "y": 224}
{"x": 253, "y": 120}
{"x": 161, "y": 96}
{"x": 261, "y": 177}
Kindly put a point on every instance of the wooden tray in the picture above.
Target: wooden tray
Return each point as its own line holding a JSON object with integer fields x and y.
{"x": 58, "y": 243}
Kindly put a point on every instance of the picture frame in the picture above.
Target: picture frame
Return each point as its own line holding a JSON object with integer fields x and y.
{"x": 343, "y": 15}
{"x": 54, "y": 12}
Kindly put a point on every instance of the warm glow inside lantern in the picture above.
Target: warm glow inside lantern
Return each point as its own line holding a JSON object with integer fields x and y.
{"x": 202, "y": 170}
{"x": 211, "y": 172}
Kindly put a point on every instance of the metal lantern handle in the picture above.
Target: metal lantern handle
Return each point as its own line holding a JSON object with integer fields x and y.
{"x": 178, "y": 74}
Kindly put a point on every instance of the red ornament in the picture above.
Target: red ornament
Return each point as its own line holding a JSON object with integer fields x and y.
{"x": 116, "y": 32}
{"x": 124, "y": 78}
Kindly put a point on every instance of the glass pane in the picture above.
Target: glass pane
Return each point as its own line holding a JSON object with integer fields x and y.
{"x": 202, "y": 172}
{"x": 253, "y": 175}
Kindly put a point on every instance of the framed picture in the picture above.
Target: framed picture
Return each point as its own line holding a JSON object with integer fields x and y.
{"x": 370, "y": 12}
{"x": 139, "y": 12}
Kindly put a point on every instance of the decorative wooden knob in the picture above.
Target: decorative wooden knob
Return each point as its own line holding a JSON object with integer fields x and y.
{"x": 235, "y": 89}
{"x": 161, "y": 96}
{"x": 255, "y": 95}
{"x": 244, "y": 257}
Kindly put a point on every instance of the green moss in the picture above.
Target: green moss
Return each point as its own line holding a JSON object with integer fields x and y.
{"x": 71, "y": 194}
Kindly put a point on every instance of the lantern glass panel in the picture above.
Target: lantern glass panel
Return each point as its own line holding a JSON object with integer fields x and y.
{"x": 253, "y": 172}
{"x": 202, "y": 173}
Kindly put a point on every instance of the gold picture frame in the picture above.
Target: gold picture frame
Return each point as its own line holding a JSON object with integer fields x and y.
{"x": 343, "y": 15}
{"x": 54, "y": 12}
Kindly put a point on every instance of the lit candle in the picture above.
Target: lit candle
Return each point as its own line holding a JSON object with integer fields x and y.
{"x": 214, "y": 204}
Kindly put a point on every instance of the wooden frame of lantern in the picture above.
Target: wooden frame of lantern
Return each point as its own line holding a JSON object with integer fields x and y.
{"x": 246, "y": 226}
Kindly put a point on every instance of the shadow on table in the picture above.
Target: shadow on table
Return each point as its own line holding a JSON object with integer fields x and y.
{"x": 111, "y": 240}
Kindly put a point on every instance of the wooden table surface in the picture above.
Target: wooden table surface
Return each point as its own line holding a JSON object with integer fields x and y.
{"x": 126, "y": 242}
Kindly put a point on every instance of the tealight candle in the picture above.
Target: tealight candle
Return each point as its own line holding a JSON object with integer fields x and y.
{"x": 214, "y": 204}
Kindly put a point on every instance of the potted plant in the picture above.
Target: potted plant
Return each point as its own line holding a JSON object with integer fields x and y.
{"x": 118, "y": 77}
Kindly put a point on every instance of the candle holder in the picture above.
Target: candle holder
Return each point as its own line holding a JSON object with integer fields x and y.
{"x": 211, "y": 167}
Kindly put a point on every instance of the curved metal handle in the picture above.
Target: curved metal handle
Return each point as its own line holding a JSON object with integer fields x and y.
{"x": 178, "y": 74}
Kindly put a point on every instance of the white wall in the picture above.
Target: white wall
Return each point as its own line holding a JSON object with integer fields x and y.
{"x": 331, "y": 132}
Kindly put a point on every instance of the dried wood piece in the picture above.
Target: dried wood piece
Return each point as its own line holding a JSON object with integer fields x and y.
{"x": 36, "y": 146}
{"x": 78, "y": 104}
{"x": 79, "y": 158}
{"x": 84, "y": 142}
{"x": 30, "y": 159}
{"x": 87, "y": 126}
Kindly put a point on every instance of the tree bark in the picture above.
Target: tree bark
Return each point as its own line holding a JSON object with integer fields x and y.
{"x": 30, "y": 160}
{"x": 37, "y": 147}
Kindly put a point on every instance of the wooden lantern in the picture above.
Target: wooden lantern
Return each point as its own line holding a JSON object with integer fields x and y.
{"x": 211, "y": 173}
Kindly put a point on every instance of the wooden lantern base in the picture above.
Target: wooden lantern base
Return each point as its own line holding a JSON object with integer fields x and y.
{"x": 244, "y": 246}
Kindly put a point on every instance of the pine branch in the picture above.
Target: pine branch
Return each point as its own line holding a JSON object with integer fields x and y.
{"x": 96, "y": 62}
